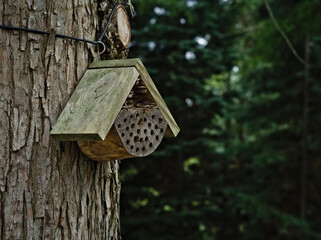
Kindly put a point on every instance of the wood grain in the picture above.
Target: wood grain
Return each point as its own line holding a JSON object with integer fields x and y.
{"x": 111, "y": 148}
{"x": 95, "y": 104}
{"x": 123, "y": 27}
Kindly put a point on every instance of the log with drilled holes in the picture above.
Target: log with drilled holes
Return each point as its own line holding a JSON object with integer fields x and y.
{"x": 136, "y": 133}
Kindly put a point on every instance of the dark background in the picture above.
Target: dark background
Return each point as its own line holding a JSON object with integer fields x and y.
{"x": 246, "y": 164}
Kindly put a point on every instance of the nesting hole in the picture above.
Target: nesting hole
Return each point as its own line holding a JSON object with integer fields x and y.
{"x": 146, "y": 139}
{"x": 145, "y": 119}
{"x": 150, "y": 145}
{"x": 131, "y": 147}
{"x": 133, "y": 125}
{"x": 131, "y": 134}
{"x": 145, "y": 131}
{"x": 149, "y": 125}
{"x": 141, "y": 122}
{"x": 131, "y": 116}
{"x": 119, "y": 125}
{"x": 137, "y": 149}
{"x": 125, "y": 120}
{"x": 157, "y": 137}
{"x": 138, "y": 131}
{"x": 153, "y": 116}
{"x": 143, "y": 149}
{"x": 161, "y": 130}
{"x": 156, "y": 126}
{"x": 123, "y": 134}
{"x": 127, "y": 142}
{"x": 136, "y": 139}
{"x": 137, "y": 115}
{"x": 127, "y": 128}
{"x": 152, "y": 132}
{"x": 141, "y": 140}
{"x": 160, "y": 120}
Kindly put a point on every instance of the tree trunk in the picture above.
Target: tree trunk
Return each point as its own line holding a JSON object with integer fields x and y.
{"x": 48, "y": 189}
{"x": 305, "y": 131}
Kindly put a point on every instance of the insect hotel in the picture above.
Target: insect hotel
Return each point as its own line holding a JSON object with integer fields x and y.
{"x": 116, "y": 112}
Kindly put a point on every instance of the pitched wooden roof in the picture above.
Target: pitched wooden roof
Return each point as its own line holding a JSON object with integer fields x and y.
{"x": 98, "y": 98}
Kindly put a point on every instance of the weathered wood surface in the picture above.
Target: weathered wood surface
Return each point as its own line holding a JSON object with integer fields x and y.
{"x": 131, "y": 62}
{"x": 111, "y": 148}
{"x": 49, "y": 190}
{"x": 95, "y": 104}
{"x": 173, "y": 129}
{"x": 123, "y": 27}
{"x": 121, "y": 33}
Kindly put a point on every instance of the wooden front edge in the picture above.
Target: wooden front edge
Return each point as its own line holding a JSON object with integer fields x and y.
{"x": 115, "y": 63}
{"x": 76, "y": 137}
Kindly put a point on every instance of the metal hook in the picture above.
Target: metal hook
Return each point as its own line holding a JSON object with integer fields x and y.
{"x": 104, "y": 47}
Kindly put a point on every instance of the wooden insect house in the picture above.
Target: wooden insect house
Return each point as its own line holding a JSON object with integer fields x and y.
{"x": 116, "y": 112}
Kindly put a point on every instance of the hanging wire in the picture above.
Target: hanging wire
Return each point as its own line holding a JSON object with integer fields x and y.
{"x": 287, "y": 40}
{"x": 36, "y": 31}
{"x": 106, "y": 28}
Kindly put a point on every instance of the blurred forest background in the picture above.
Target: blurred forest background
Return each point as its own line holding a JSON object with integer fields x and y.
{"x": 247, "y": 162}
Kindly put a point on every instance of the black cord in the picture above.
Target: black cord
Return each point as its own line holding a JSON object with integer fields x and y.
{"x": 36, "y": 31}
{"x": 46, "y": 33}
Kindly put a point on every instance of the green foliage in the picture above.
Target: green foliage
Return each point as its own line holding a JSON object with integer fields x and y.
{"x": 236, "y": 90}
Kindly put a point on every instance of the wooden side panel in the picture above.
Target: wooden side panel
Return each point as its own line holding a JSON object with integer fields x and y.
{"x": 137, "y": 63}
{"x": 94, "y": 105}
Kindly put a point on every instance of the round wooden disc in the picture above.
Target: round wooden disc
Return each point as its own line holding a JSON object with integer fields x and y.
{"x": 123, "y": 26}
{"x": 141, "y": 130}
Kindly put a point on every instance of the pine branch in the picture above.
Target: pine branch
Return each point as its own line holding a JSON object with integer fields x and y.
{"x": 276, "y": 24}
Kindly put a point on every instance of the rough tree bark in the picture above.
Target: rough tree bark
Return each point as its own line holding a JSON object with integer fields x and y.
{"x": 49, "y": 190}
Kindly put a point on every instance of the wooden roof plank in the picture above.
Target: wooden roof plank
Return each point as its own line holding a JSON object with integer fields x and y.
{"x": 95, "y": 104}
